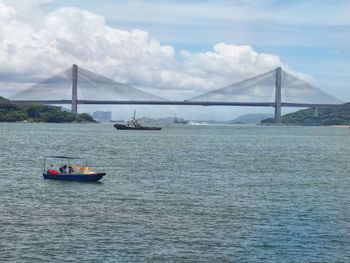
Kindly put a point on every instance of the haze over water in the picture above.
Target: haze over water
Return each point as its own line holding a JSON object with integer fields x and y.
{"x": 184, "y": 194}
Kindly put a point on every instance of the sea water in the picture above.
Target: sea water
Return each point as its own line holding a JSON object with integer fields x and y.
{"x": 182, "y": 194}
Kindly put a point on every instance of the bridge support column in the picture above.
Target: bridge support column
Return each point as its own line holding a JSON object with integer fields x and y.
{"x": 75, "y": 89}
{"x": 278, "y": 117}
{"x": 316, "y": 111}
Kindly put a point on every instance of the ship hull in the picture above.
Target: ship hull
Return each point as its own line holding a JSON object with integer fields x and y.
{"x": 125, "y": 127}
{"x": 75, "y": 177}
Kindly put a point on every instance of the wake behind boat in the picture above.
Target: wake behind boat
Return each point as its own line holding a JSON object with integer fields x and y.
{"x": 67, "y": 170}
{"x": 134, "y": 124}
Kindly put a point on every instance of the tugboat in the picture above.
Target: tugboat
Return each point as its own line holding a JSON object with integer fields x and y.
{"x": 134, "y": 124}
{"x": 68, "y": 171}
{"x": 179, "y": 121}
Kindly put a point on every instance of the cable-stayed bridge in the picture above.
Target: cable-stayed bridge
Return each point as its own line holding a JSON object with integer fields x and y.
{"x": 276, "y": 88}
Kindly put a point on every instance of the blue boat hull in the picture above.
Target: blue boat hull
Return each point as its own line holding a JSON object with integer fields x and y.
{"x": 75, "y": 177}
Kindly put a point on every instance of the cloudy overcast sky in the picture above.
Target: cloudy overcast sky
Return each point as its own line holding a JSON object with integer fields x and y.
{"x": 176, "y": 48}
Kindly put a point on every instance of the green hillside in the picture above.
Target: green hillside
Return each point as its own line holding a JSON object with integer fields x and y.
{"x": 327, "y": 116}
{"x": 10, "y": 112}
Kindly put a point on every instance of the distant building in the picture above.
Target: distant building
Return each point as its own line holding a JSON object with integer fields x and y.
{"x": 102, "y": 116}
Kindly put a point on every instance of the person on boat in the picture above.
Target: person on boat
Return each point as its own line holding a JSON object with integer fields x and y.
{"x": 63, "y": 169}
{"x": 70, "y": 169}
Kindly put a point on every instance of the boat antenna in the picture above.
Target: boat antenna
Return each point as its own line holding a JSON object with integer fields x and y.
{"x": 134, "y": 114}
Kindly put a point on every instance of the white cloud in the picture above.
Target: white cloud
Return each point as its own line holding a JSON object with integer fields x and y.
{"x": 70, "y": 35}
{"x": 28, "y": 11}
{"x": 6, "y": 11}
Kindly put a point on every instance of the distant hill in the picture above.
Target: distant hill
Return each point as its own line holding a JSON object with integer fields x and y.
{"x": 167, "y": 120}
{"x": 252, "y": 118}
{"x": 153, "y": 121}
{"x": 244, "y": 119}
{"x": 305, "y": 117}
{"x": 10, "y": 112}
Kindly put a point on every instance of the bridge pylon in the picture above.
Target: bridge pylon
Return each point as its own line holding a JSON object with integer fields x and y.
{"x": 75, "y": 89}
{"x": 278, "y": 100}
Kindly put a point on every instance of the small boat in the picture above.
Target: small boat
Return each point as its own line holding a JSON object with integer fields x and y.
{"x": 67, "y": 170}
{"x": 134, "y": 124}
{"x": 179, "y": 121}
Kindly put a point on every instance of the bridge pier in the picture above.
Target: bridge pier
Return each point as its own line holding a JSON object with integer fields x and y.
{"x": 316, "y": 111}
{"x": 278, "y": 116}
{"x": 75, "y": 89}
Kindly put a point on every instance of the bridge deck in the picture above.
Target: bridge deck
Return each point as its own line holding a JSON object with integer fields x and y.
{"x": 188, "y": 103}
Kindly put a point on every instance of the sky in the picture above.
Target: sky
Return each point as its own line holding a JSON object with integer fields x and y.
{"x": 176, "y": 49}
